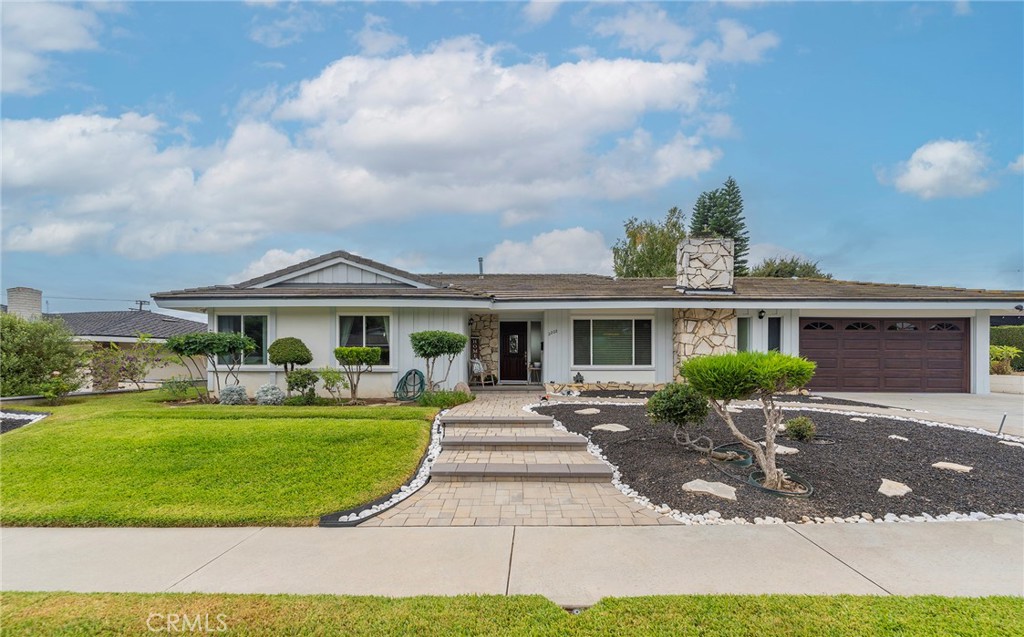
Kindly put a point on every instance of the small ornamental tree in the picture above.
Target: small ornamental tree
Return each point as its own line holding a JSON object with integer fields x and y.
{"x": 334, "y": 381}
{"x": 304, "y": 381}
{"x": 433, "y": 345}
{"x": 354, "y": 361}
{"x": 289, "y": 352}
{"x": 683, "y": 406}
{"x": 744, "y": 375}
{"x": 114, "y": 364}
{"x": 228, "y": 348}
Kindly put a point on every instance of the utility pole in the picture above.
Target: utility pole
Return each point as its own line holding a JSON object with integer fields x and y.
{"x": 140, "y": 304}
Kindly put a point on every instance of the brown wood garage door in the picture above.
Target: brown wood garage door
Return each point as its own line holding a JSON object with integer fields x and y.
{"x": 912, "y": 355}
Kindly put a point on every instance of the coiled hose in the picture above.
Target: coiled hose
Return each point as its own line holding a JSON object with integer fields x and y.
{"x": 411, "y": 386}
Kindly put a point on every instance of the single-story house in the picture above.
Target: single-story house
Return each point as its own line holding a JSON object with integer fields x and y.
{"x": 101, "y": 329}
{"x": 571, "y": 330}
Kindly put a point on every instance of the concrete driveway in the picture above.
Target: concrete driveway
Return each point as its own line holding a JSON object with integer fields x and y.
{"x": 983, "y": 411}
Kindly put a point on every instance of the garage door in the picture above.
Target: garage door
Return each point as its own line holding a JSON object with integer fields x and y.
{"x": 912, "y": 355}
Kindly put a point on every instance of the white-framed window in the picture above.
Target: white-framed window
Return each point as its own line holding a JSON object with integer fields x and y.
{"x": 366, "y": 330}
{"x": 252, "y": 325}
{"x": 613, "y": 342}
{"x": 743, "y": 334}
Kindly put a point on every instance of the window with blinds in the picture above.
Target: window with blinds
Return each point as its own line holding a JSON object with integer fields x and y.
{"x": 613, "y": 342}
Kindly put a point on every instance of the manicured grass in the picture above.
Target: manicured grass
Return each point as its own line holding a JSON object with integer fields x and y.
{"x": 776, "y": 615}
{"x": 130, "y": 460}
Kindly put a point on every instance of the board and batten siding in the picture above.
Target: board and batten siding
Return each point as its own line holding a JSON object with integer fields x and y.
{"x": 342, "y": 273}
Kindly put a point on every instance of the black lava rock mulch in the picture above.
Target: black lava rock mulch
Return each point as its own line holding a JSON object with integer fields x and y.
{"x": 845, "y": 475}
{"x": 611, "y": 393}
{"x": 9, "y": 420}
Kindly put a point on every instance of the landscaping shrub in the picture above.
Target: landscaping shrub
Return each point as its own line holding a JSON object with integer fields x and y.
{"x": 432, "y": 345}
{"x": 315, "y": 401}
{"x": 234, "y": 395}
{"x": 269, "y": 395}
{"x": 1012, "y": 335}
{"x": 30, "y": 353}
{"x": 444, "y": 399}
{"x": 178, "y": 387}
{"x": 334, "y": 382}
{"x": 303, "y": 381}
{"x": 800, "y": 428}
{"x": 682, "y": 405}
{"x": 1000, "y": 357}
{"x": 114, "y": 364}
{"x": 355, "y": 361}
{"x": 743, "y": 375}
{"x": 216, "y": 347}
{"x": 289, "y": 352}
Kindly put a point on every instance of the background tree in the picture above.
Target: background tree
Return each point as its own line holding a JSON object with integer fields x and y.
{"x": 719, "y": 213}
{"x": 649, "y": 247}
{"x": 433, "y": 345}
{"x": 789, "y": 267}
{"x": 355, "y": 361}
{"x": 30, "y": 353}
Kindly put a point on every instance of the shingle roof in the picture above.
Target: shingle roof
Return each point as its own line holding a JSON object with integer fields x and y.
{"x": 127, "y": 324}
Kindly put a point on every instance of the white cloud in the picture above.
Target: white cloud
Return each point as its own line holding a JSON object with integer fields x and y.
{"x": 1017, "y": 165}
{"x": 511, "y": 218}
{"x": 961, "y": 7}
{"x": 32, "y": 32}
{"x": 649, "y": 29}
{"x": 369, "y": 140}
{"x": 538, "y": 12}
{"x": 943, "y": 168}
{"x": 376, "y": 39}
{"x": 270, "y": 261}
{"x": 718, "y": 125}
{"x": 572, "y": 250}
{"x": 56, "y": 237}
{"x": 286, "y": 29}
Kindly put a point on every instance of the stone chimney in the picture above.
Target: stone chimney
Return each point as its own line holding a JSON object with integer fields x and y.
{"x": 25, "y": 302}
{"x": 705, "y": 264}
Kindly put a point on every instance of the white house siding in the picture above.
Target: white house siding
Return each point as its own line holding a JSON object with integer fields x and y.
{"x": 318, "y": 329}
{"x": 342, "y": 273}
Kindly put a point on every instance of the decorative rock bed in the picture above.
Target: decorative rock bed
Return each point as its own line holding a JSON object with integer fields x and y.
{"x": 11, "y": 420}
{"x": 846, "y": 476}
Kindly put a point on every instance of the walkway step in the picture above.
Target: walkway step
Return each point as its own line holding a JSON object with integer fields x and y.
{"x": 535, "y": 440}
{"x": 590, "y": 472}
{"x": 507, "y": 420}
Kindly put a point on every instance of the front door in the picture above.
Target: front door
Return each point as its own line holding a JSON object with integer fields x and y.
{"x": 514, "y": 350}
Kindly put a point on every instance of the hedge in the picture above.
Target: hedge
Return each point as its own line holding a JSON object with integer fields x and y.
{"x": 1012, "y": 335}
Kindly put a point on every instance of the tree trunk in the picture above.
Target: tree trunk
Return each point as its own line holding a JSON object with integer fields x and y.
{"x": 722, "y": 409}
{"x": 773, "y": 476}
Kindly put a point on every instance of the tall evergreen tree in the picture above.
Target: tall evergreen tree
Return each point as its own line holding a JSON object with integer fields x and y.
{"x": 719, "y": 213}
{"x": 649, "y": 247}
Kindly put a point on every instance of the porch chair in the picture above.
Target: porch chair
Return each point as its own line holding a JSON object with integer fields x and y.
{"x": 479, "y": 371}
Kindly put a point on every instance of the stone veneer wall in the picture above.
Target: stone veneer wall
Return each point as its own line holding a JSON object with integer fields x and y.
{"x": 704, "y": 264}
{"x": 558, "y": 388}
{"x": 485, "y": 327}
{"x": 698, "y": 332}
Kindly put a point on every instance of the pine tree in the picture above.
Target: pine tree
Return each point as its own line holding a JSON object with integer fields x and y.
{"x": 719, "y": 213}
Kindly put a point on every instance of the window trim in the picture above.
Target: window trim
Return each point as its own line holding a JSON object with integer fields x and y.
{"x": 390, "y": 367}
{"x": 243, "y": 366}
{"x": 598, "y": 317}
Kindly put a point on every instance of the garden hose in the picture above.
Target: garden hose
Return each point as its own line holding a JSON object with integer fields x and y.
{"x": 411, "y": 386}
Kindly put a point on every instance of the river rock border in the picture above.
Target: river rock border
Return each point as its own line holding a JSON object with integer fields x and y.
{"x": 363, "y": 512}
{"x": 713, "y": 517}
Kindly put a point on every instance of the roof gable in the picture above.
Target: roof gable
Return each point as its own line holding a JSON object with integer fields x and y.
{"x": 338, "y": 268}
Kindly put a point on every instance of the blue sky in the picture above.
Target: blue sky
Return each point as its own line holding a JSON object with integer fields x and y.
{"x": 154, "y": 146}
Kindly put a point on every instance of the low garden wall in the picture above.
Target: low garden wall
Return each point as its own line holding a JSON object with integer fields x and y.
{"x": 1006, "y": 384}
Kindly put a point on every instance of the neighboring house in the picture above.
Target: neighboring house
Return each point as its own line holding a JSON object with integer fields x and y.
{"x": 103, "y": 328}
{"x": 598, "y": 329}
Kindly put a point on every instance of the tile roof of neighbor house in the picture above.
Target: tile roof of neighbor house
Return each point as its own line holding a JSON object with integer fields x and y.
{"x": 580, "y": 287}
{"x": 127, "y": 324}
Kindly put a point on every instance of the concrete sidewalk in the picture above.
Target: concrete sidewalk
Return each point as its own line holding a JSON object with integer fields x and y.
{"x": 573, "y": 566}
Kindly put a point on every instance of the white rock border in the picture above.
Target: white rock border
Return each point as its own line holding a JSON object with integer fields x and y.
{"x": 417, "y": 483}
{"x": 31, "y": 418}
{"x": 713, "y": 517}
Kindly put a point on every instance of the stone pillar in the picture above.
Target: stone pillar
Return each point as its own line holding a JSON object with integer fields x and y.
{"x": 485, "y": 327}
{"x": 704, "y": 264}
{"x": 26, "y": 303}
{"x": 699, "y": 332}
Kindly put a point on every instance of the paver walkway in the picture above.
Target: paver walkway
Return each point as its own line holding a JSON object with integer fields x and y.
{"x": 501, "y": 466}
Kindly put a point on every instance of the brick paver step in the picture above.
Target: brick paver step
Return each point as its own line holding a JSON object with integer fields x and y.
{"x": 521, "y": 472}
{"x": 504, "y": 420}
{"x": 534, "y": 440}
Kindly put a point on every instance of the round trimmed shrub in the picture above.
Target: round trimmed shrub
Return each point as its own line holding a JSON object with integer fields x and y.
{"x": 800, "y": 428}
{"x": 269, "y": 395}
{"x": 289, "y": 352}
{"x": 234, "y": 395}
{"x": 677, "y": 404}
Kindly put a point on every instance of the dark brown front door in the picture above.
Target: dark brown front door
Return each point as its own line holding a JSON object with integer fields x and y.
{"x": 514, "y": 348}
{"x": 889, "y": 355}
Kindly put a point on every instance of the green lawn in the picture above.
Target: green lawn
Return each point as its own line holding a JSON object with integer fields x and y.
{"x": 130, "y": 460}
{"x": 756, "y": 616}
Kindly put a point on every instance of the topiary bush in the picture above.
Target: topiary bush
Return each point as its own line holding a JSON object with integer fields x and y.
{"x": 355, "y": 361}
{"x": 1013, "y": 336}
{"x": 801, "y": 428}
{"x": 269, "y": 395}
{"x": 289, "y": 352}
{"x": 304, "y": 381}
{"x": 234, "y": 395}
{"x": 432, "y": 345}
{"x": 683, "y": 406}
